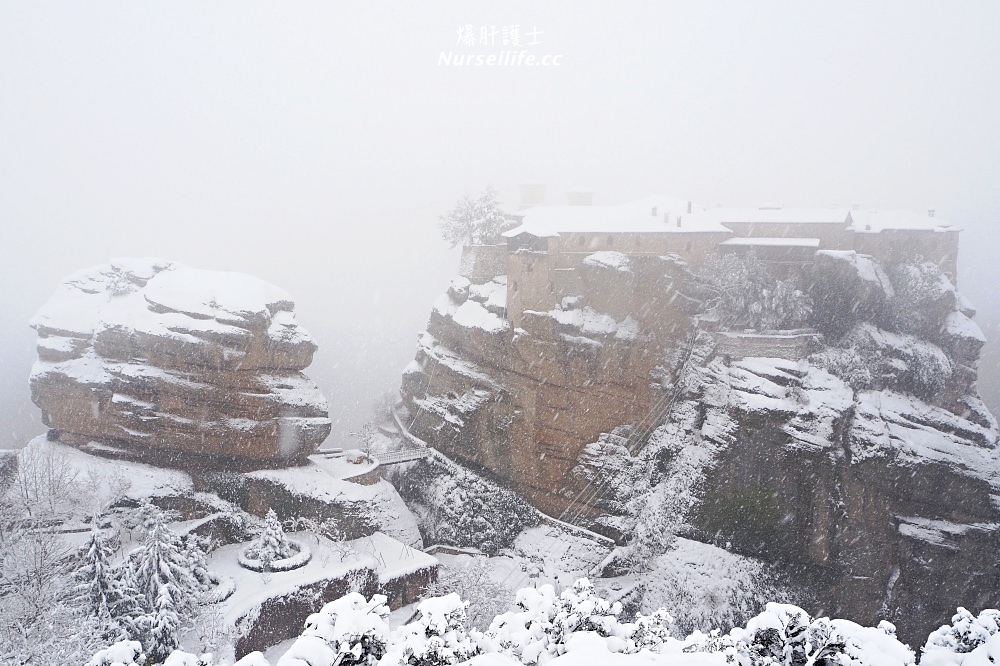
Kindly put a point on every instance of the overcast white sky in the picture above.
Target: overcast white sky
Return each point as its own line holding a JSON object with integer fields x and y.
{"x": 314, "y": 144}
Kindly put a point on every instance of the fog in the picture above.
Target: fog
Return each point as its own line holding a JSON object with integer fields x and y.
{"x": 315, "y": 144}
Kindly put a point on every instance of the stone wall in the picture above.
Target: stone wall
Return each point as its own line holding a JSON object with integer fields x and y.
{"x": 481, "y": 263}
{"x": 530, "y": 283}
{"x": 283, "y": 617}
{"x": 407, "y": 588}
{"x": 789, "y": 345}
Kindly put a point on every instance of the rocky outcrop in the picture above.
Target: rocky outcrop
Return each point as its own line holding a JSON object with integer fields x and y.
{"x": 522, "y": 402}
{"x": 864, "y": 467}
{"x": 882, "y": 503}
{"x": 177, "y": 365}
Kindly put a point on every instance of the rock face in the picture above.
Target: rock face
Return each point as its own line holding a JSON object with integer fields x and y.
{"x": 523, "y": 401}
{"x": 177, "y": 365}
{"x": 865, "y": 467}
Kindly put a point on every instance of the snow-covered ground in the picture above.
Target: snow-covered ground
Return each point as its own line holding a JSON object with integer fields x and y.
{"x": 389, "y": 558}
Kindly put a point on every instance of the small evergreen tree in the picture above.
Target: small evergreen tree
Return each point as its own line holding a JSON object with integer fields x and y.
{"x": 167, "y": 587}
{"x": 271, "y": 544}
{"x": 102, "y": 586}
{"x": 474, "y": 221}
{"x": 195, "y": 555}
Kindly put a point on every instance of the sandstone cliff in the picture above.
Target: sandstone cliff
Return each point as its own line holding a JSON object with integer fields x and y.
{"x": 177, "y": 365}
{"x": 855, "y": 455}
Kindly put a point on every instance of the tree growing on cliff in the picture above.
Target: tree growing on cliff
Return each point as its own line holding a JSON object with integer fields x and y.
{"x": 744, "y": 293}
{"x": 478, "y": 221}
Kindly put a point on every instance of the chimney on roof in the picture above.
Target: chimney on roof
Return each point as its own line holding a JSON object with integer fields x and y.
{"x": 930, "y": 213}
{"x": 654, "y": 211}
{"x": 580, "y": 197}
{"x": 679, "y": 217}
{"x": 666, "y": 218}
{"x": 689, "y": 207}
{"x": 532, "y": 194}
{"x": 856, "y": 207}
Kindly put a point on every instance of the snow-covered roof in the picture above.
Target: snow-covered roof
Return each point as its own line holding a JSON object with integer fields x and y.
{"x": 775, "y": 215}
{"x": 875, "y": 221}
{"x": 633, "y": 217}
{"x": 638, "y": 217}
{"x": 774, "y": 242}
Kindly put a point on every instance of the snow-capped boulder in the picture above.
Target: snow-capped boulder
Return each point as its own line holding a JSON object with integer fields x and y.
{"x": 848, "y": 287}
{"x": 171, "y": 362}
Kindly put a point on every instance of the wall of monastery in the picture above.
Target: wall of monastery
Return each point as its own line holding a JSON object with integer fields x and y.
{"x": 831, "y": 236}
{"x": 891, "y": 245}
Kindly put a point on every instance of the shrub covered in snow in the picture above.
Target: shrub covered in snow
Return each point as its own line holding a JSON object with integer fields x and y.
{"x": 785, "y": 635}
{"x": 438, "y": 637}
{"x": 122, "y": 653}
{"x": 707, "y": 587}
{"x": 953, "y": 643}
{"x": 350, "y": 630}
{"x": 485, "y": 598}
{"x": 746, "y": 294}
{"x": 869, "y": 358}
{"x": 457, "y": 507}
{"x": 579, "y": 627}
{"x": 544, "y": 623}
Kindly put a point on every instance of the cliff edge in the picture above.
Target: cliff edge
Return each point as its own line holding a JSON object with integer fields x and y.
{"x": 852, "y": 452}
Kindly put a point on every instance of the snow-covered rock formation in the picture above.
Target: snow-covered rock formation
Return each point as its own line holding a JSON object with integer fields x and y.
{"x": 860, "y": 462}
{"x": 177, "y": 365}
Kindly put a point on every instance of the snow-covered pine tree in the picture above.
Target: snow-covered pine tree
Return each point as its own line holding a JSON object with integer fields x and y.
{"x": 100, "y": 584}
{"x": 168, "y": 588}
{"x": 194, "y": 553}
{"x": 271, "y": 544}
{"x": 474, "y": 221}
